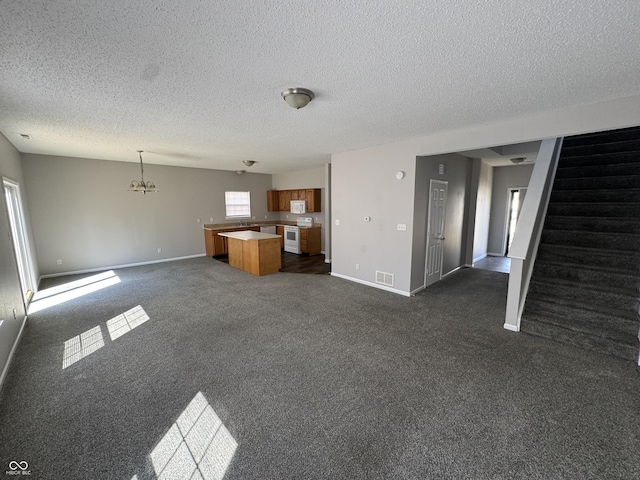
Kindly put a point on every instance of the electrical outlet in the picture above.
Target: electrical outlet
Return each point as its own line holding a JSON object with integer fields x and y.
{"x": 198, "y": 220}
{"x": 402, "y": 227}
{"x": 357, "y": 266}
{"x": 159, "y": 250}
{"x": 337, "y": 222}
{"x": 15, "y": 314}
{"x": 211, "y": 219}
{"x": 59, "y": 261}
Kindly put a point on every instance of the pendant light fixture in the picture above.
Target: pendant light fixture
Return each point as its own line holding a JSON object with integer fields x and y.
{"x": 142, "y": 186}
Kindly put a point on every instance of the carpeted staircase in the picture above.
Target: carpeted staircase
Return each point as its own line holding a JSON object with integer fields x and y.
{"x": 585, "y": 284}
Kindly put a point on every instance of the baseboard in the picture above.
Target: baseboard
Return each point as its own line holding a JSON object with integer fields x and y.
{"x": 372, "y": 284}
{"x": 491, "y": 254}
{"x": 5, "y": 370}
{"x": 452, "y": 271}
{"x": 125, "y": 265}
{"x": 481, "y": 257}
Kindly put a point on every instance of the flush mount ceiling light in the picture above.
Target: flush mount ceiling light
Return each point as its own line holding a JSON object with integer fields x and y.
{"x": 249, "y": 163}
{"x": 518, "y": 160}
{"x": 297, "y": 97}
{"x": 142, "y": 186}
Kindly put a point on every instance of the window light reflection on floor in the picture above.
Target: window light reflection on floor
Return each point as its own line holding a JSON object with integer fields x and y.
{"x": 127, "y": 321}
{"x": 83, "y": 345}
{"x": 197, "y": 445}
{"x": 63, "y": 293}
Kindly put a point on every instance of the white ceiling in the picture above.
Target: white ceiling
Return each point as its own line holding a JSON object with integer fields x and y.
{"x": 197, "y": 83}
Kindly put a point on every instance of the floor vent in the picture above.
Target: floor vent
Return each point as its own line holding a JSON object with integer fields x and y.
{"x": 384, "y": 278}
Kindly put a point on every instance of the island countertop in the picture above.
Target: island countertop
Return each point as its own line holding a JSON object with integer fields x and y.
{"x": 249, "y": 235}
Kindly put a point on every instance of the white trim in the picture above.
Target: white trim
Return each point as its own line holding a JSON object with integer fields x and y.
{"x": 481, "y": 257}
{"x": 418, "y": 290}
{"x": 512, "y": 328}
{"x": 452, "y": 271}
{"x": 371, "y": 284}
{"x": 5, "y": 370}
{"x": 126, "y": 265}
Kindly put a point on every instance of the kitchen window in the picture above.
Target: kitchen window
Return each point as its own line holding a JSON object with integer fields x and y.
{"x": 238, "y": 204}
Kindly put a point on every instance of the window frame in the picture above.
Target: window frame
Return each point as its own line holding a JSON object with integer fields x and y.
{"x": 244, "y": 214}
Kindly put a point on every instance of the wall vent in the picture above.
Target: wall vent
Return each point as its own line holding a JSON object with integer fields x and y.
{"x": 384, "y": 278}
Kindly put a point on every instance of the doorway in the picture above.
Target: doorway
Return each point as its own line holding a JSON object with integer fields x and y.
{"x": 435, "y": 230}
{"x": 515, "y": 198}
{"x": 19, "y": 238}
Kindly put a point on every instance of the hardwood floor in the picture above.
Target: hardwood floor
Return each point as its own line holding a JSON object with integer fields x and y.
{"x": 292, "y": 263}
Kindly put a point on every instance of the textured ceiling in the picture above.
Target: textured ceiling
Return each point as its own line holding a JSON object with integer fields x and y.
{"x": 197, "y": 83}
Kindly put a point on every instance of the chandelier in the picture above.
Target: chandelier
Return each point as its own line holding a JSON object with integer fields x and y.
{"x": 142, "y": 186}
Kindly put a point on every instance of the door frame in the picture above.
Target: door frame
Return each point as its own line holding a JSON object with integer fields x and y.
{"x": 20, "y": 239}
{"x": 433, "y": 182}
{"x": 507, "y": 216}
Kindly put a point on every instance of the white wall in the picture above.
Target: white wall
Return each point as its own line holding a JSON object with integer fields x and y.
{"x": 504, "y": 178}
{"x": 83, "y": 214}
{"x": 483, "y": 212}
{"x": 10, "y": 290}
{"x": 363, "y": 183}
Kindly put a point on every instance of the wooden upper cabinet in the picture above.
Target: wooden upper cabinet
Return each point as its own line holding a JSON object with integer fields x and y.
{"x": 280, "y": 200}
{"x": 285, "y": 200}
{"x": 314, "y": 202}
{"x": 273, "y": 201}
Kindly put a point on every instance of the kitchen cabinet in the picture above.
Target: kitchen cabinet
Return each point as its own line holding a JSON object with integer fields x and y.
{"x": 280, "y": 200}
{"x": 273, "y": 201}
{"x": 314, "y": 201}
{"x": 280, "y": 231}
{"x": 310, "y": 240}
{"x": 254, "y": 252}
{"x": 284, "y": 200}
{"x": 215, "y": 244}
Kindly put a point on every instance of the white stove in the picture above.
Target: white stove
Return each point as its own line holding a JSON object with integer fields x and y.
{"x": 292, "y": 234}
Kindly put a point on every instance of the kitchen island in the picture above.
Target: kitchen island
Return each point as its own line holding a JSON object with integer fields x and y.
{"x": 254, "y": 252}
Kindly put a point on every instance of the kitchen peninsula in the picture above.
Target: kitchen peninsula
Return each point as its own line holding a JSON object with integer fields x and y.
{"x": 254, "y": 252}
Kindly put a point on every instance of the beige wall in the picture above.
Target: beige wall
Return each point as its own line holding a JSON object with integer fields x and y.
{"x": 84, "y": 215}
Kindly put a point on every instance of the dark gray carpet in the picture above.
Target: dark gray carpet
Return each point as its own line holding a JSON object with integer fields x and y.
{"x": 313, "y": 377}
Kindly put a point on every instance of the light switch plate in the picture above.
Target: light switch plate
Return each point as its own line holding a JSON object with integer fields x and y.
{"x": 402, "y": 227}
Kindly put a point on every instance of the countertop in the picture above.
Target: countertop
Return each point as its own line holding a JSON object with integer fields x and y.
{"x": 222, "y": 226}
{"x": 249, "y": 235}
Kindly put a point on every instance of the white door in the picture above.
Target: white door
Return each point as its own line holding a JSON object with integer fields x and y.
{"x": 19, "y": 238}
{"x": 435, "y": 230}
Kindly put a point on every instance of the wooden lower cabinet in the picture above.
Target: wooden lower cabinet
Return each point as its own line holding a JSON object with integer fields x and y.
{"x": 310, "y": 240}
{"x": 280, "y": 231}
{"x": 215, "y": 244}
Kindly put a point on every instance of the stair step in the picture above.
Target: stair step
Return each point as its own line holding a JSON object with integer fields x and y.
{"x": 613, "y": 158}
{"x": 622, "y": 303}
{"x": 594, "y": 138}
{"x": 585, "y": 319}
{"x": 590, "y": 276}
{"x": 593, "y": 257}
{"x": 597, "y": 183}
{"x": 537, "y": 325}
{"x": 628, "y": 145}
{"x": 628, "y": 242}
{"x": 619, "y": 169}
{"x": 631, "y": 195}
{"x": 629, "y": 209}
{"x": 593, "y": 224}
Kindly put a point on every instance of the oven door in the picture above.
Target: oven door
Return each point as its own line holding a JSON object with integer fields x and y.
{"x": 292, "y": 239}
